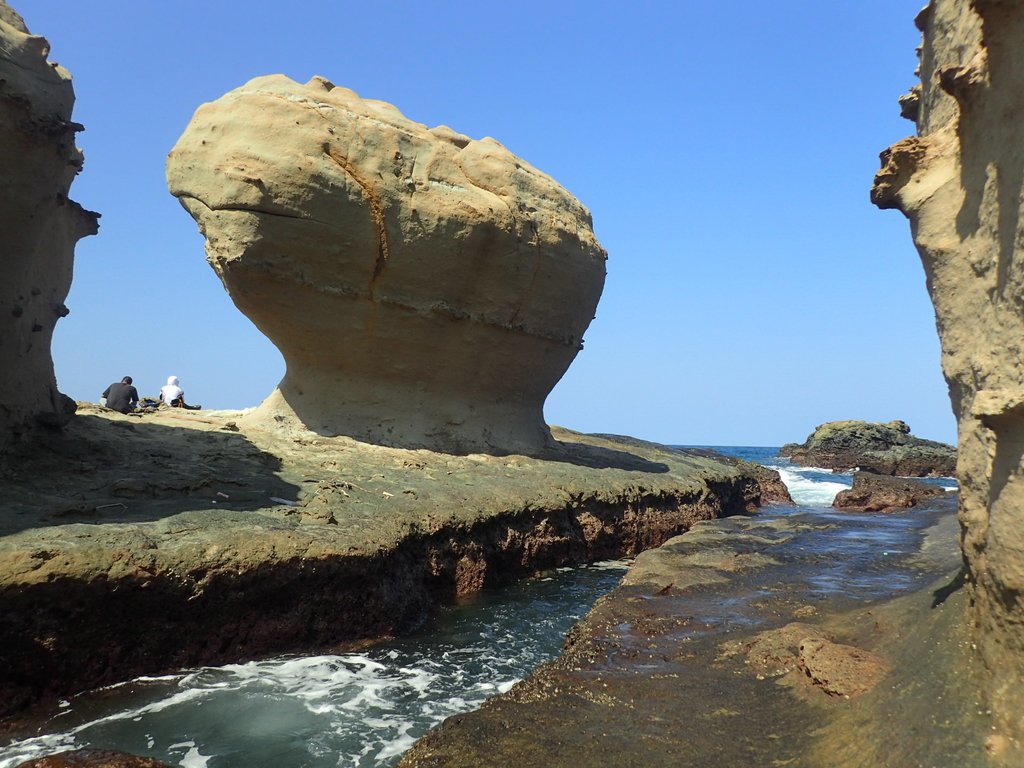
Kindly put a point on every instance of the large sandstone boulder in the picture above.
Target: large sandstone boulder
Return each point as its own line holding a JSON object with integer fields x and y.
{"x": 39, "y": 225}
{"x": 887, "y": 449}
{"x": 425, "y": 289}
{"x": 959, "y": 182}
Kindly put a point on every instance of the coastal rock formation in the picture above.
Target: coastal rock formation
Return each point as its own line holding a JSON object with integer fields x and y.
{"x": 40, "y": 225}
{"x": 959, "y": 182}
{"x": 887, "y": 449}
{"x": 881, "y": 493}
{"x": 424, "y": 288}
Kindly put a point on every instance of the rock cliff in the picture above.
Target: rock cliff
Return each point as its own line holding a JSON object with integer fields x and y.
{"x": 40, "y": 225}
{"x": 959, "y": 182}
{"x": 425, "y": 289}
{"x": 886, "y": 449}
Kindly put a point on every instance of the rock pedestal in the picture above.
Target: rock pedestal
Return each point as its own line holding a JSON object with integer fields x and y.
{"x": 425, "y": 289}
{"x": 40, "y": 225}
{"x": 959, "y": 182}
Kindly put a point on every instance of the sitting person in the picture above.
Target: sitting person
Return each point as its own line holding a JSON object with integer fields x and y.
{"x": 121, "y": 396}
{"x": 171, "y": 394}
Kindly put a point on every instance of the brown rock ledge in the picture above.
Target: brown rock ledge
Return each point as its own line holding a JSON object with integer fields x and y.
{"x": 144, "y": 544}
{"x": 881, "y": 493}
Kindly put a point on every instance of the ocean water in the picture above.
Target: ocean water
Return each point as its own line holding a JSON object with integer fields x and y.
{"x": 366, "y": 709}
{"x": 809, "y": 486}
{"x": 361, "y": 709}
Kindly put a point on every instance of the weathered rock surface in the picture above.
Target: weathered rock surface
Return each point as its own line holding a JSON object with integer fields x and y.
{"x": 959, "y": 182}
{"x": 93, "y": 758}
{"x": 40, "y": 225}
{"x": 882, "y": 493}
{"x": 841, "y": 670}
{"x": 425, "y": 289}
{"x": 887, "y": 449}
{"x": 262, "y": 546}
{"x": 800, "y": 649}
{"x": 669, "y": 668}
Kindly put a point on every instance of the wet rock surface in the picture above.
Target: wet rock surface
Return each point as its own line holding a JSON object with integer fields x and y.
{"x": 262, "y": 546}
{"x": 741, "y": 642}
{"x": 886, "y": 449}
{"x": 881, "y": 493}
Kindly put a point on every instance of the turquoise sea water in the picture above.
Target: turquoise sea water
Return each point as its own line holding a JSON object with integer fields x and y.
{"x": 366, "y": 709}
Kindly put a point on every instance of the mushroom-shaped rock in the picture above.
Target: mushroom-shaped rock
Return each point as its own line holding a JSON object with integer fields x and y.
{"x": 39, "y": 224}
{"x": 425, "y": 289}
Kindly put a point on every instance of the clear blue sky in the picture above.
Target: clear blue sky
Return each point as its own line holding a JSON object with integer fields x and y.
{"x": 725, "y": 148}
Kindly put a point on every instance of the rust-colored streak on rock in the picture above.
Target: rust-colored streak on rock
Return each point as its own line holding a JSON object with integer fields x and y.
{"x": 377, "y": 211}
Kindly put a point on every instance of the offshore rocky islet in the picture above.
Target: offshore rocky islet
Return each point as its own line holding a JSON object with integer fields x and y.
{"x": 886, "y": 449}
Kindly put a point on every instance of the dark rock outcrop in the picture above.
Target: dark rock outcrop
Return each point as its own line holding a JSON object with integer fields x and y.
{"x": 882, "y": 493}
{"x": 772, "y": 490}
{"x": 39, "y": 224}
{"x": 93, "y": 758}
{"x": 886, "y": 449}
{"x": 444, "y": 283}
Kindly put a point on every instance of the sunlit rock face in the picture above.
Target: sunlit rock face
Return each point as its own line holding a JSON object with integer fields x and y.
{"x": 39, "y": 225}
{"x": 425, "y": 289}
{"x": 959, "y": 181}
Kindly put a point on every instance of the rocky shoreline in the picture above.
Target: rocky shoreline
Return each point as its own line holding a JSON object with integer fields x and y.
{"x": 721, "y": 648}
{"x": 258, "y": 546}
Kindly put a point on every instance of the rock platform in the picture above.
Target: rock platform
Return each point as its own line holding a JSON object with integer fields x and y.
{"x": 761, "y": 641}
{"x": 141, "y": 544}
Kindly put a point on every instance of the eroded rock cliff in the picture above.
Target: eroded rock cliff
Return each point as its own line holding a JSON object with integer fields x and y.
{"x": 959, "y": 182}
{"x": 40, "y": 225}
{"x": 425, "y": 289}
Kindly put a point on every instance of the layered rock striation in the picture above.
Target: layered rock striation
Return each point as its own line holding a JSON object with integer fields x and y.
{"x": 40, "y": 225}
{"x": 959, "y": 182}
{"x": 425, "y": 289}
{"x": 886, "y": 449}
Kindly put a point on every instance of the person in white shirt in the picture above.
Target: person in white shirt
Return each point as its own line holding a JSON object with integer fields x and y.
{"x": 172, "y": 394}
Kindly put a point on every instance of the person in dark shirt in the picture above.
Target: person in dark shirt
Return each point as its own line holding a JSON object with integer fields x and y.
{"x": 121, "y": 397}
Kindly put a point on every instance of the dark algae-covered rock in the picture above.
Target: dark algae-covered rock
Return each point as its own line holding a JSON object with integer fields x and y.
{"x": 881, "y": 493}
{"x": 94, "y": 758}
{"x": 886, "y": 449}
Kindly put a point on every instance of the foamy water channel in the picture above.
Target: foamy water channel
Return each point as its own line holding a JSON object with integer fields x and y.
{"x": 348, "y": 710}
